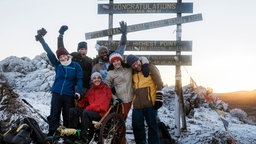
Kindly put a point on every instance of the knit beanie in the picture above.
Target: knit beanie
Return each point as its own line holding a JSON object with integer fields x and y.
{"x": 61, "y": 51}
{"x": 82, "y": 45}
{"x": 101, "y": 48}
{"x": 131, "y": 59}
{"x": 96, "y": 74}
{"x": 115, "y": 56}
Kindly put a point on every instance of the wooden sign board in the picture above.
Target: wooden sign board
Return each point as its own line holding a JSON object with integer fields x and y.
{"x": 150, "y": 45}
{"x": 145, "y": 26}
{"x": 135, "y": 8}
{"x": 169, "y": 59}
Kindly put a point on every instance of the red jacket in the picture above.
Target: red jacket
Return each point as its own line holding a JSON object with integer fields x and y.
{"x": 97, "y": 99}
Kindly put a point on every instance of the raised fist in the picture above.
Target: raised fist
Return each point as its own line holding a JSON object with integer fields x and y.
{"x": 63, "y": 29}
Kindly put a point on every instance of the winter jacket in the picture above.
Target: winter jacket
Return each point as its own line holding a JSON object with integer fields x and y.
{"x": 145, "y": 87}
{"x": 86, "y": 65}
{"x": 121, "y": 79}
{"x": 67, "y": 77}
{"x": 97, "y": 99}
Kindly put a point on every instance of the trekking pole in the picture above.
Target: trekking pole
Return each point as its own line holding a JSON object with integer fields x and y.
{"x": 34, "y": 110}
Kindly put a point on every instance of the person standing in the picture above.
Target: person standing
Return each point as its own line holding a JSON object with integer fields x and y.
{"x": 120, "y": 78}
{"x": 147, "y": 99}
{"x": 79, "y": 56}
{"x": 102, "y": 62}
{"x": 68, "y": 76}
{"x": 92, "y": 107}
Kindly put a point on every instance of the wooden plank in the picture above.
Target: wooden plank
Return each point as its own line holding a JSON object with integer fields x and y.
{"x": 145, "y": 26}
{"x": 150, "y": 45}
{"x": 168, "y": 59}
{"x": 147, "y": 8}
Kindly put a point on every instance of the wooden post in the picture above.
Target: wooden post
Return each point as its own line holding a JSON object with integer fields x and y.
{"x": 182, "y": 105}
{"x": 178, "y": 83}
{"x": 110, "y": 21}
{"x": 177, "y": 116}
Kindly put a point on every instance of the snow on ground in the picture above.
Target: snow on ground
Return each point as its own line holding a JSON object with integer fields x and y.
{"x": 32, "y": 80}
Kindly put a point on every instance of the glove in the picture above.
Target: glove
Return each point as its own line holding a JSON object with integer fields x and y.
{"x": 159, "y": 100}
{"x": 123, "y": 27}
{"x": 63, "y": 29}
{"x": 145, "y": 70}
{"x": 117, "y": 101}
{"x": 40, "y": 33}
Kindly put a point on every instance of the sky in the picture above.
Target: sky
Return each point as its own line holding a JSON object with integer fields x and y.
{"x": 223, "y": 42}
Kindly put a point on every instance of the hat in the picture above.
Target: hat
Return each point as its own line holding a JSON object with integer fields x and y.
{"x": 101, "y": 48}
{"x": 115, "y": 56}
{"x": 82, "y": 45}
{"x": 96, "y": 74}
{"x": 131, "y": 59}
{"x": 61, "y": 51}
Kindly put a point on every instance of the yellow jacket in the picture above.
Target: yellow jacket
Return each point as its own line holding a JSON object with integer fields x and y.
{"x": 145, "y": 87}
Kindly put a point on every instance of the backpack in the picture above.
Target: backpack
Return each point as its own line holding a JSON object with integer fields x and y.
{"x": 164, "y": 135}
{"x": 25, "y": 132}
{"x": 17, "y": 135}
{"x": 37, "y": 135}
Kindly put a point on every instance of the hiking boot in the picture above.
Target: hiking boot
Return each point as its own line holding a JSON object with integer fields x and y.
{"x": 40, "y": 33}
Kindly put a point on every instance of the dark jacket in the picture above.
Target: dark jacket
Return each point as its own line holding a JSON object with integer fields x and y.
{"x": 86, "y": 65}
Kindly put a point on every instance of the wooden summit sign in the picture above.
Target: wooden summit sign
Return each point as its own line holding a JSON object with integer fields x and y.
{"x": 134, "y": 8}
{"x": 150, "y": 45}
{"x": 145, "y": 26}
{"x": 169, "y": 59}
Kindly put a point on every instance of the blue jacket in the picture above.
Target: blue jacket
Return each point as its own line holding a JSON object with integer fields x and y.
{"x": 68, "y": 79}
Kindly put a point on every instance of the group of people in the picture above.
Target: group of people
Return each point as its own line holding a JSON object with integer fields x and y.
{"x": 134, "y": 81}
